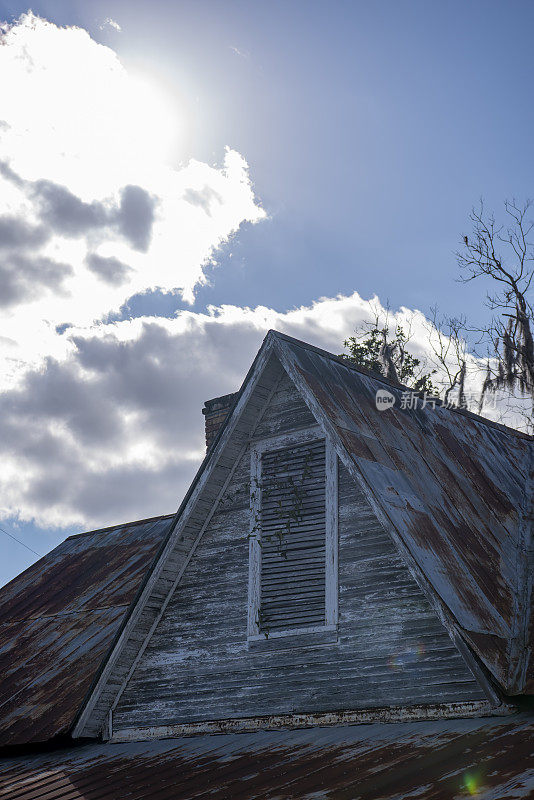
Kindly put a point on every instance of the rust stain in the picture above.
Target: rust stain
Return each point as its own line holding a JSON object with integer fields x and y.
{"x": 432, "y": 761}
{"x": 355, "y": 444}
{"x": 483, "y": 643}
{"x": 494, "y": 495}
{"x": 58, "y": 620}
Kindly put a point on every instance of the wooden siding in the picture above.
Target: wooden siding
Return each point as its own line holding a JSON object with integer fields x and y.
{"x": 391, "y": 650}
{"x": 285, "y": 412}
{"x": 187, "y": 531}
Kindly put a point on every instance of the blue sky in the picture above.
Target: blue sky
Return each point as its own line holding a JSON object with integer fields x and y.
{"x": 369, "y": 128}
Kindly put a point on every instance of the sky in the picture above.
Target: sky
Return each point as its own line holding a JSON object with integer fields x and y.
{"x": 178, "y": 177}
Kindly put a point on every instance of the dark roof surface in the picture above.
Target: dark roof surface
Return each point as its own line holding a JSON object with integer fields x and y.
{"x": 456, "y": 489}
{"x": 487, "y": 758}
{"x": 59, "y": 618}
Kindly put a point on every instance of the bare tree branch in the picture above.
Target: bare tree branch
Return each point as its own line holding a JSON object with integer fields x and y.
{"x": 504, "y": 254}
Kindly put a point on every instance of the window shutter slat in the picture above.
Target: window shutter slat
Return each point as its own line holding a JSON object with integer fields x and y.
{"x": 293, "y": 537}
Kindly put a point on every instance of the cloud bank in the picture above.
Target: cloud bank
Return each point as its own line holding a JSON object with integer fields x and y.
{"x": 113, "y": 431}
{"x": 100, "y": 422}
{"x": 92, "y": 210}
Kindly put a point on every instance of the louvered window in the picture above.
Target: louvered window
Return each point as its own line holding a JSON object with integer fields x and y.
{"x": 293, "y": 549}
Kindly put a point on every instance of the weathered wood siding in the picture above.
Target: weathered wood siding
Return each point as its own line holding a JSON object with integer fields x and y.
{"x": 392, "y": 649}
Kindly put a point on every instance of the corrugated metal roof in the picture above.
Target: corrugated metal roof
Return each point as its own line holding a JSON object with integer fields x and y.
{"x": 491, "y": 759}
{"x": 58, "y": 620}
{"x": 455, "y": 487}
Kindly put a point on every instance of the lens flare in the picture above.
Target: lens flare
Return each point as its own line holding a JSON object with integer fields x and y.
{"x": 472, "y": 783}
{"x": 409, "y": 655}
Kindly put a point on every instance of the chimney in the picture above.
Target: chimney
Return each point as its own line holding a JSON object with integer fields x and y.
{"x": 215, "y": 412}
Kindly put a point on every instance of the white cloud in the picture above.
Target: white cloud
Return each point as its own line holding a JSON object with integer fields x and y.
{"x": 110, "y": 23}
{"x": 91, "y": 211}
{"x": 240, "y": 53}
{"x": 113, "y": 429}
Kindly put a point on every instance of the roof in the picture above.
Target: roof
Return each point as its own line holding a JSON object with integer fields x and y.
{"x": 453, "y": 489}
{"x": 59, "y": 618}
{"x": 491, "y": 757}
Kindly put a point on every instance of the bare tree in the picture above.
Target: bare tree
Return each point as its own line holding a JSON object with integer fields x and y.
{"x": 449, "y": 353}
{"x": 505, "y": 255}
{"x": 498, "y": 356}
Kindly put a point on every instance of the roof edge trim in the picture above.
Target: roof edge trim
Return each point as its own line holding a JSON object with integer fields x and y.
{"x": 274, "y": 722}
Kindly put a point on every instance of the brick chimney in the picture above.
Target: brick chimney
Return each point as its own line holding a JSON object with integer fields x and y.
{"x": 215, "y": 412}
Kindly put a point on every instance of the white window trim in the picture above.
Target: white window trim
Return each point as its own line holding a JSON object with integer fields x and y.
{"x": 331, "y": 523}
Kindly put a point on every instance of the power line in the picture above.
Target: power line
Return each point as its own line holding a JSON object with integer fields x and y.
{"x": 22, "y": 543}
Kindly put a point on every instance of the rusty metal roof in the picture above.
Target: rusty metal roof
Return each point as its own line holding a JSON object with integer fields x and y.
{"x": 58, "y": 620}
{"x": 453, "y": 488}
{"x": 456, "y": 490}
{"x": 486, "y": 758}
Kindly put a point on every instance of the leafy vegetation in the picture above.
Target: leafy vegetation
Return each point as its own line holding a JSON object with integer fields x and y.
{"x": 377, "y": 351}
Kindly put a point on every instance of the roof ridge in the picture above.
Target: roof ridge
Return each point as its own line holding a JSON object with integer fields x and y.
{"x": 382, "y": 379}
{"x": 120, "y": 525}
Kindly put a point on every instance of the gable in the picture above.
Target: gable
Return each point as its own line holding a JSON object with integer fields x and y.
{"x": 285, "y": 411}
{"x": 58, "y": 620}
{"x": 375, "y": 466}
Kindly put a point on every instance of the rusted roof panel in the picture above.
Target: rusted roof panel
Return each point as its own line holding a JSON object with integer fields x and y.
{"x": 58, "y": 620}
{"x": 456, "y": 490}
{"x": 491, "y": 758}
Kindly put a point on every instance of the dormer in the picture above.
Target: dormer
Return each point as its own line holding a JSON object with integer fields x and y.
{"x": 333, "y": 560}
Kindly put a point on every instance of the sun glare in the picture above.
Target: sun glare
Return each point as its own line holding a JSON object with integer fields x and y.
{"x": 160, "y": 120}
